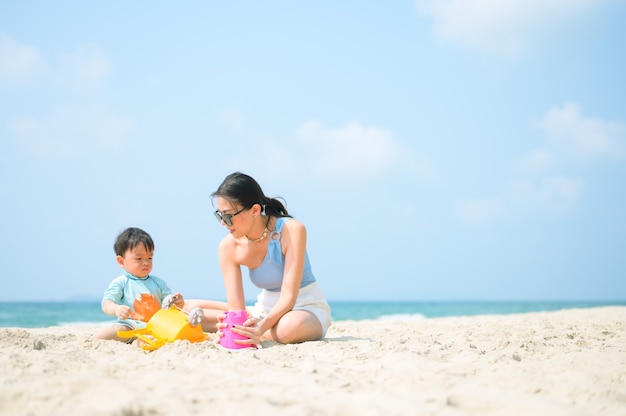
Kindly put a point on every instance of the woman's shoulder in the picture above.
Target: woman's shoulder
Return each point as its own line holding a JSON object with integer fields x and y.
{"x": 292, "y": 225}
{"x": 227, "y": 246}
{"x": 227, "y": 241}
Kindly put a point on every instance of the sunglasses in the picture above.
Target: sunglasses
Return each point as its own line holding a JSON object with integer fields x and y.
{"x": 227, "y": 218}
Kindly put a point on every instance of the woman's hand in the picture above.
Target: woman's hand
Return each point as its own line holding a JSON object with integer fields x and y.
{"x": 220, "y": 325}
{"x": 250, "y": 329}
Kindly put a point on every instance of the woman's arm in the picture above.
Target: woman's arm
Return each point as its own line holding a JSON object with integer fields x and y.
{"x": 231, "y": 272}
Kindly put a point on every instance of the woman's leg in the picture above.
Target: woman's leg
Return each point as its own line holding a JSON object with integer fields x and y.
{"x": 297, "y": 326}
{"x": 211, "y": 308}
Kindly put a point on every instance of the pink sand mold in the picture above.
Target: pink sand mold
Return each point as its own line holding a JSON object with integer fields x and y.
{"x": 229, "y": 337}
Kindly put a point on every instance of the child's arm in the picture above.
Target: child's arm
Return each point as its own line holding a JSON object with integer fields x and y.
{"x": 121, "y": 311}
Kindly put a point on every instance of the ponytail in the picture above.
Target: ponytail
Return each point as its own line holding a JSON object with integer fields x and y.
{"x": 243, "y": 189}
{"x": 274, "y": 207}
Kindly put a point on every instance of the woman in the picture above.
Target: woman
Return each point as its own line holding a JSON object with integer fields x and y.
{"x": 263, "y": 237}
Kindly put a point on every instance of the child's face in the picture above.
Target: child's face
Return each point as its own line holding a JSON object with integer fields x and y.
{"x": 136, "y": 261}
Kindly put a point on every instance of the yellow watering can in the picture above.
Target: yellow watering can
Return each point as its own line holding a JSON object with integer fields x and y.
{"x": 168, "y": 325}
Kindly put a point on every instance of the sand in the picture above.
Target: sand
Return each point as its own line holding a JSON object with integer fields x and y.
{"x": 569, "y": 362}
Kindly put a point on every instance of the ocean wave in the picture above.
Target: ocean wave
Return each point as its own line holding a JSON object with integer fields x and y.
{"x": 401, "y": 317}
{"x": 85, "y": 323}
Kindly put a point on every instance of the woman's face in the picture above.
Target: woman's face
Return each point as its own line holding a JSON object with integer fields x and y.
{"x": 230, "y": 215}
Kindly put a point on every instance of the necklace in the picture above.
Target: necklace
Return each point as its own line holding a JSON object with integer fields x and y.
{"x": 256, "y": 240}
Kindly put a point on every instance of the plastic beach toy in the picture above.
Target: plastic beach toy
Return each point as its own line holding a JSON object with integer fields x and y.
{"x": 145, "y": 305}
{"x": 168, "y": 325}
{"x": 228, "y": 339}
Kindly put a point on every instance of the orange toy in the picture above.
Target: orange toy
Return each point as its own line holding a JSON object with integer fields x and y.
{"x": 168, "y": 325}
{"x": 145, "y": 305}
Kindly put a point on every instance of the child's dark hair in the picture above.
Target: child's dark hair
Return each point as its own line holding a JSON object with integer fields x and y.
{"x": 131, "y": 238}
{"x": 243, "y": 189}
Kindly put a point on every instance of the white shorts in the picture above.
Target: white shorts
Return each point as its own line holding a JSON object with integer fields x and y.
{"x": 310, "y": 298}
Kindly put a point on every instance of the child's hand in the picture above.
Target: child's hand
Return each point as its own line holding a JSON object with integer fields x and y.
{"x": 123, "y": 312}
{"x": 178, "y": 300}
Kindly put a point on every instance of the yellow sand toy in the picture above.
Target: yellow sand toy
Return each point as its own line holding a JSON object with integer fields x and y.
{"x": 165, "y": 325}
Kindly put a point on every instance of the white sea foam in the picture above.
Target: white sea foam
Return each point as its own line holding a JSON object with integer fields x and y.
{"x": 402, "y": 317}
{"x": 85, "y": 323}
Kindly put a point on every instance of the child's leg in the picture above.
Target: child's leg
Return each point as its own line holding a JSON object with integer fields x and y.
{"x": 110, "y": 333}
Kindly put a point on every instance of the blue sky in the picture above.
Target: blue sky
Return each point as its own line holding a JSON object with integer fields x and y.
{"x": 435, "y": 150}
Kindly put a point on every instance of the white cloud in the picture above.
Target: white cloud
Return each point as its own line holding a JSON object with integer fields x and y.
{"x": 109, "y": 130}
{"x": 352, "y": 150}
{"x": 571, "y": 133}
{"x": 571, "y": 138}
{"x": 506, "y": 27}
{"x": 37, "y": 136}
{"x": 65, "y": 133}
{"x": 85, "y": 66}
{"x": 538, "y": 161}
{"x": 21, "y": 63}
{"x": 551, "y": 194}
{"x": 18, "y": 62}
{"x": 538, "y": 185}
{"x": 350, "y": 153}
{"x": 61, "y": 132}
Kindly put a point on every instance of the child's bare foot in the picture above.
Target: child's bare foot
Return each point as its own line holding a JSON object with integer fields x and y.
{"x": 138, "y": 342}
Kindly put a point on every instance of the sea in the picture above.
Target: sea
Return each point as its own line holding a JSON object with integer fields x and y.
{"x": 46, "y": 314}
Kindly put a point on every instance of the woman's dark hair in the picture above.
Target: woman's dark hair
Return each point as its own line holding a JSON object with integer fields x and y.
{"x": 131, "y": 238}
{"x": 244, "y": 190}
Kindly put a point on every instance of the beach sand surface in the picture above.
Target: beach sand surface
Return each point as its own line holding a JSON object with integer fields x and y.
{"x": 570, "y": 362}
